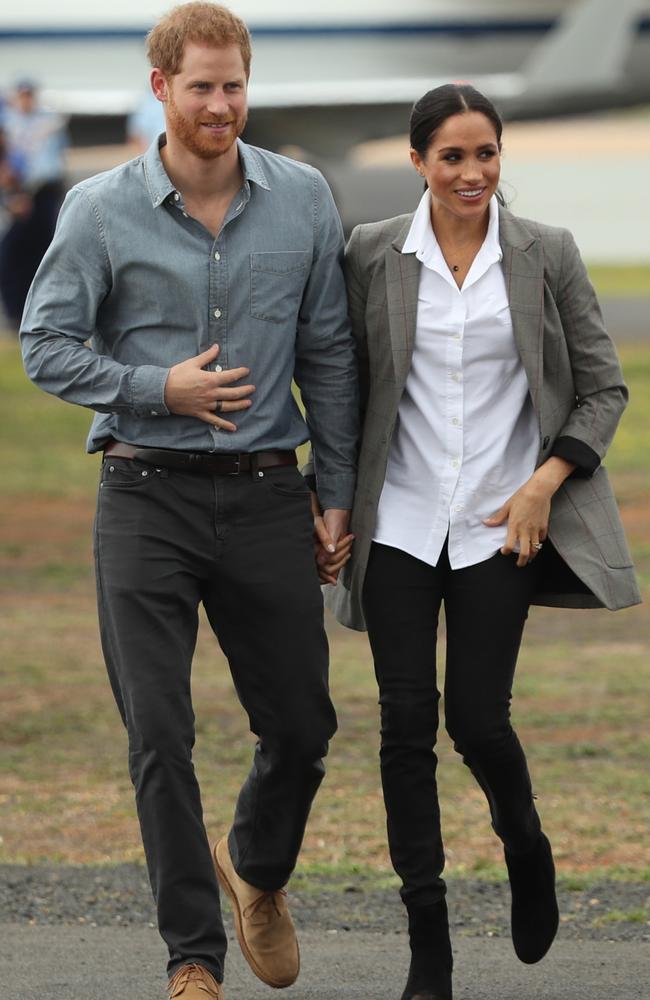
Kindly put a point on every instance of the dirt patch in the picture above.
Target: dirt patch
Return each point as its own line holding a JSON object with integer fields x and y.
{"x": 38, "y": 530}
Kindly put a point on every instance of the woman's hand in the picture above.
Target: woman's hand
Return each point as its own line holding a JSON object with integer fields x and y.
{"x": 332, "y": 542}
{"x": 527, "y": 511}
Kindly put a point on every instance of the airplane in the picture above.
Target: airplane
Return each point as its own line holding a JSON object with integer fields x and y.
{"x": 583, "y": 62}
{"x": 329, "y": 75}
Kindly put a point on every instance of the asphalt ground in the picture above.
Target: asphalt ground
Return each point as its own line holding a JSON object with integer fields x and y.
{"x": 88, "y": 932}
{"x": 73, "y": 963}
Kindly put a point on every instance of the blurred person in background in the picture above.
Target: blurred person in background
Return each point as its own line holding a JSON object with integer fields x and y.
{"x": 190, "y": 268}
{"x": 145, "y": 123}
{"x": 36, "y": 142}
{"x": 490, "y": 392}
{"x": 13, "y": 202}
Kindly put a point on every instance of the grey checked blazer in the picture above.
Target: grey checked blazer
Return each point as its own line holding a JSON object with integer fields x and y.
{"x": 575, "y": 383}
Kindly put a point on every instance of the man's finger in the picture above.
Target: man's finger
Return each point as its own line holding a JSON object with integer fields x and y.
{"x": 200, "y": 360}
{"x": 232, "y": 375}
{"x": 210, "y": 417}
{"x": 227, "y": 406}
{"x": 236, "y": 393}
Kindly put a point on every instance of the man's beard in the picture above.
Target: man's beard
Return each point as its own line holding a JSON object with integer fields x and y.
{"x": 192, "y": 136}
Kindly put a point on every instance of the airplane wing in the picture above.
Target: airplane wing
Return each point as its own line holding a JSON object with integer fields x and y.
{"x": 580, "y": 64}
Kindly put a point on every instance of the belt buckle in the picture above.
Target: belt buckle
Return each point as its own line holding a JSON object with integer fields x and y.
{"x": 237, "y": 469}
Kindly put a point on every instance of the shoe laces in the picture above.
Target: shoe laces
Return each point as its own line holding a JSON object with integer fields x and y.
{"x": 193, "y": 974}
{"x": 266, "y": 903}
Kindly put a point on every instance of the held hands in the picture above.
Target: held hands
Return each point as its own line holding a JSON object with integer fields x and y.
{"x": 193, "y": 392}
{"x": 527, "y": 511}
{"x": 332, "y": 542}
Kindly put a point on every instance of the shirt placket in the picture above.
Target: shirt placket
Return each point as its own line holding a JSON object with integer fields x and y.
{"x": 454, "y": 492}
{"x": 218, "y": 297}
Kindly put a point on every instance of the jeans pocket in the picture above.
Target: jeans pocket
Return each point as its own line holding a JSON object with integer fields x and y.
{"x": 126, "y": 473}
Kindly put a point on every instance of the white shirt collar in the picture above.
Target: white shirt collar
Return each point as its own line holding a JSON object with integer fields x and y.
{"x": 421, "y": 241}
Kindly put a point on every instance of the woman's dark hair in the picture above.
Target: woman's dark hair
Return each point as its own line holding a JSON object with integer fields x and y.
{"x": 433, "y": 109}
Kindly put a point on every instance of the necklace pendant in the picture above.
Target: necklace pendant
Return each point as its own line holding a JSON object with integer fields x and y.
{"x": 455, "y": 267}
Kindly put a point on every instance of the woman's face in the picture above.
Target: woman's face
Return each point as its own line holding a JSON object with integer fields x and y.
{"x": 462, "y": 165}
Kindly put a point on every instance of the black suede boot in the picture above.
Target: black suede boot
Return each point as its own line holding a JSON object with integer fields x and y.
{"x": 534, "y": 914}
{"x": 431, "y": 959}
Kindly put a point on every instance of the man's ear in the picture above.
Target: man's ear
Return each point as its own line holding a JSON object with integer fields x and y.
{"x": 159, "y": 85}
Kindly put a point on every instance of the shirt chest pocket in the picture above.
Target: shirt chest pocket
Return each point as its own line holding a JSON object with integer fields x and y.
{"x": 277, "y": 282}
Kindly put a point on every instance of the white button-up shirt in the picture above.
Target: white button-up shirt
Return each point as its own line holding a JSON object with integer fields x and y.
{"x": 466, "y": 436}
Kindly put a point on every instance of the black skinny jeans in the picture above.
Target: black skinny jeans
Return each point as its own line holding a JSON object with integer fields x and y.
{"x": 486, "y": 606}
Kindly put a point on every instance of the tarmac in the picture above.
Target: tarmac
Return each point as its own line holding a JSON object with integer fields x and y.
{"x": 106, "y": 963}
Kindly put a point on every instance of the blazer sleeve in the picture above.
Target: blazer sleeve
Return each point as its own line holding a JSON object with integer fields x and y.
{"x": 357, "y": 294}
{"x": 601, "y": 393}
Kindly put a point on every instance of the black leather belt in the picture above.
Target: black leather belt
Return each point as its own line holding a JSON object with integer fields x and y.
{"x": 221, "y": 463}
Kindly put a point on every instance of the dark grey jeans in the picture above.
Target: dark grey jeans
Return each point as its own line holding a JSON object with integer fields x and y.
{"x": 165, "y": 542}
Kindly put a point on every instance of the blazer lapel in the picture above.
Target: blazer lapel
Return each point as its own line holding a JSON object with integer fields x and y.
{"x": 523, "y": 266}
{"x": 402, "y": 283}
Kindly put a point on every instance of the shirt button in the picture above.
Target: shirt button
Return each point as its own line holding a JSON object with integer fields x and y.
{"x": 458, "y": 507}
{"x": 217, "y": 255}
{"x": 217, "y": 313}
{"x": 455, "y": 463}
{"x": 184, "y": 215}
{"x": 177, "y": 197}
{"x": 456, "y": 422}
{"x": 458, "y": 336}
{"x": 153, "y": 413}
{"x": 218, "y": 368}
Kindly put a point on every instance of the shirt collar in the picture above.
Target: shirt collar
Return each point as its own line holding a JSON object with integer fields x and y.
{"x": 159, "y": 182}
{"x": 421, "y": 239}
{"x": 417, "y": 237}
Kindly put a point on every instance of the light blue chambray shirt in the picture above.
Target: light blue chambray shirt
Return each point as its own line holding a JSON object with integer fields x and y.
{"x": 149, "y": 286}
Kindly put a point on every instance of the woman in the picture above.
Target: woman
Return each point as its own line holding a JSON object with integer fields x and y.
{"x": 490, "y": 393}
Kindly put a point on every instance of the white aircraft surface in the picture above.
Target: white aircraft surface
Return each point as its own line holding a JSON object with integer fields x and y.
{"x": 328, "y": 75}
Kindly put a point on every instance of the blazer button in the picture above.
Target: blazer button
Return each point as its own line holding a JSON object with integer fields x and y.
{"x": 545, "y": 443}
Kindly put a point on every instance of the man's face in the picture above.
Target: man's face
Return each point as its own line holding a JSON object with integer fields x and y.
{"x": 205, "y": 103}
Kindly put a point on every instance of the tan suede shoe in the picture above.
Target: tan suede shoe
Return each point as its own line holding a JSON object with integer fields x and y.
{"x": 194, "y": 982}
{"x": 264, "y": 926}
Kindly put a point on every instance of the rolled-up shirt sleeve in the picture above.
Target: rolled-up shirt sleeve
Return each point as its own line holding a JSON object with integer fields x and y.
{"x": 325, "y": 369}
{"x": 60, "y": 319}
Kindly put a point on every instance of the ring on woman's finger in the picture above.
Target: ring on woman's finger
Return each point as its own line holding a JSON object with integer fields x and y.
{"x": 218, "y": 406}
{"x": 537, "y": 546}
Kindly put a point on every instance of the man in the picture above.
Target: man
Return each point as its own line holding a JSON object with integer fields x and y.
{"x": 36, "y": 141}
{"x": 208, "y": 274}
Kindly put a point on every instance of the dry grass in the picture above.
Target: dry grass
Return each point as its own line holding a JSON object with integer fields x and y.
{"x": 581, "y": 708}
